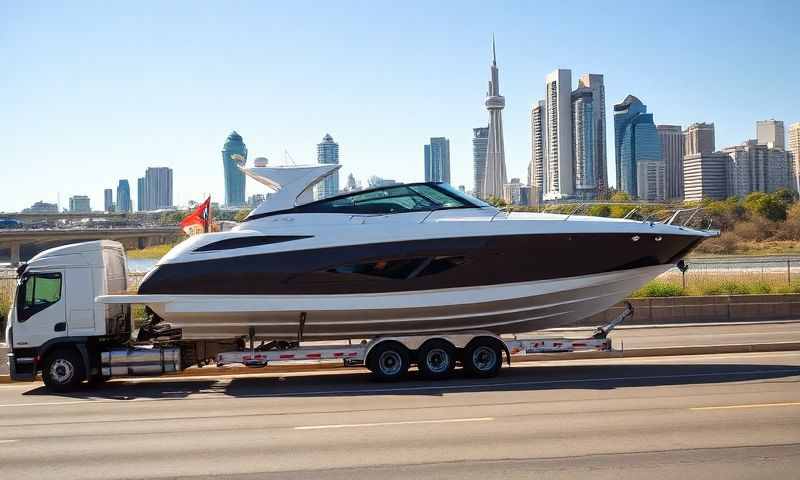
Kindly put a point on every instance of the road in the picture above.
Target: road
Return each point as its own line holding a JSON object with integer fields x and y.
{"x": 710, "y": 416}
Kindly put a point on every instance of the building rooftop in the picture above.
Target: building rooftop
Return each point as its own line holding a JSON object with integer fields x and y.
{"x": 629, "y": 100}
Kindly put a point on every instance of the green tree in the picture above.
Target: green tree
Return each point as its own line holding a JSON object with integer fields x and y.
{"x": 619, "y": 197}
{"x": 599, "y": 211}
{"x": 497, "y": 202}
{"x": 241, "y": 215}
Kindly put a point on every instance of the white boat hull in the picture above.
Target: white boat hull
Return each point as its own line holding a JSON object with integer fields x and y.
{"x": 505, "y": 308}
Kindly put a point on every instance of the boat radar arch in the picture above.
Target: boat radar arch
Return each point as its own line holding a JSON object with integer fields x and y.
{"x": 291, "y": 183}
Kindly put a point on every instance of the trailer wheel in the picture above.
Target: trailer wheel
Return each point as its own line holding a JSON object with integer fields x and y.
{"x": 483, "y": 358}
{"x": 388, "y": 361}
{"x": 63, "y": 370}
{"x": 436, "y": 359}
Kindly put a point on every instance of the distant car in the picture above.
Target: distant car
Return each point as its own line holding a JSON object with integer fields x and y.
{"x": 10, "y": 223}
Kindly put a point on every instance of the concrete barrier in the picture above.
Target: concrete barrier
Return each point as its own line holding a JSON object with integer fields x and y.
{"x": 718, "y": 308}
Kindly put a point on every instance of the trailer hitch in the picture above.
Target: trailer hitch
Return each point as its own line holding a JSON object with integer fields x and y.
{"x": 602, "y": 332}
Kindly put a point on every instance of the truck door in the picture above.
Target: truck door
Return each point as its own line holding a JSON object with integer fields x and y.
{"x": 40, "y": 308}
{"x": 80, "y": 302}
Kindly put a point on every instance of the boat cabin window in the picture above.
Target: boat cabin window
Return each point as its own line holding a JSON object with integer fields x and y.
{"x": 400, "y": 199}
{"x": 36, "y": 292}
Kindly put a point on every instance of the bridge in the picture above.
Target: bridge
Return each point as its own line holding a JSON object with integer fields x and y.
{"x": 52, "y": 217}
{"x": 31, "y": 241}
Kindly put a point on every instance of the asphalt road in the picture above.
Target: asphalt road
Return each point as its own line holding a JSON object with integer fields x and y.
{"x": 712, "y": 416}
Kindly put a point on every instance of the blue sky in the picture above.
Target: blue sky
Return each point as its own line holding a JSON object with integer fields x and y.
{"x": 94, "y": 92}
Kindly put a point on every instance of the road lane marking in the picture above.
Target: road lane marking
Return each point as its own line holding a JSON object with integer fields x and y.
{"x": 752, "y": 405}
{"x": 8, "y": 441}
{"x": 387, "y": 424}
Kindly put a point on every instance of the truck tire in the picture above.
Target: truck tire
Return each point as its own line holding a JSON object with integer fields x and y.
{"x": 62, "y": 370}
{"x": 388, "y": 361}
{"x": 436, "y": 359}
{"x": 483, "y": 358}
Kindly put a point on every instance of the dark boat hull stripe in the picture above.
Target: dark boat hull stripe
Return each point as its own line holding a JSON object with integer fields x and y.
{"x": 491, "y": 260}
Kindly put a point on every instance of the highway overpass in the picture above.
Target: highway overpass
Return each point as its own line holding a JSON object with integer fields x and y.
{"x": 16, "y": 245}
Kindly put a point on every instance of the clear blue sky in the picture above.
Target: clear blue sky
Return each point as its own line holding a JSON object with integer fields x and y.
{"x": 94, "y": 92}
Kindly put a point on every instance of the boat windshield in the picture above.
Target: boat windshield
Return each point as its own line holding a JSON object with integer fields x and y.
{"x": 399, "y": 199}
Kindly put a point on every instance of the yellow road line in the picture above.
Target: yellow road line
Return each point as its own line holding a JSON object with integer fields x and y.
{"x": 752, "y": 405}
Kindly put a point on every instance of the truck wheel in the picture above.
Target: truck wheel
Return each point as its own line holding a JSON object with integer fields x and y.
{"x": 62, "y": 370}
{"x": 388, "y": 361}
{"x": 483, "y": 358}
{"x": 436, "y": 359}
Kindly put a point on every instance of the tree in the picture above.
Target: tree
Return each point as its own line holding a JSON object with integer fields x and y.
{"x": 620, "y": 197}
{"x": 497, "y": 202}
{"x": 600, "y": 211}
{"x": 241, "y": 215}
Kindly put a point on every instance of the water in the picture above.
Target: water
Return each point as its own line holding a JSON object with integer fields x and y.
{"x": 141, "y": 265}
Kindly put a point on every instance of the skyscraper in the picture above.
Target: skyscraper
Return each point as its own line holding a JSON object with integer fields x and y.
{"x": 757, "y": 167}
{"x": 495, "y": 176}
{"x": 794, "y": 152}
{"x": 108, "y": 200}
{"x": 157, "y": 188}
{"x": 538, "y": 150}
{"x": 559, "y": 172}
{"x": 140, "y": 195}
{"x": 79, "y": 204}
{"x": 705, "y": 176}
{"x": 583, "y": 143}
{"x": 511, "y": 192}
{"x": 124, "y": 197}
{"x": 699, "y": 138}
{"x": 671, "y": 137}
{"x": 771, "y": 133}
{"x": 328, "y": 152}
{"x": 594, "y": 82}
{"x": 437, "y": 160}
{"x": 234, "y": 178}
{"x": 636, "y": 140}
{"x": 480, "y": 140}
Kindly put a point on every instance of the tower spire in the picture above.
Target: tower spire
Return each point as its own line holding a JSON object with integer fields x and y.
{"x": 494, "y": 55}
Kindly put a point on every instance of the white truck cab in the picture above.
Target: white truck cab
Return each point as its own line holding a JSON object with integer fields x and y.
{"x": 54, "y": 311}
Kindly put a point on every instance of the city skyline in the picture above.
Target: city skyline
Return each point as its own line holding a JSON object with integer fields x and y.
{"x": 143, "y": 116}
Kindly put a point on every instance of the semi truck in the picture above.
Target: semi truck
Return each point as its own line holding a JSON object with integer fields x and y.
{"x": 60, "y": 328}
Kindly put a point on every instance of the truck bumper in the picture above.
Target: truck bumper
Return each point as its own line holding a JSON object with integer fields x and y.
{"x": 22, "y": 367}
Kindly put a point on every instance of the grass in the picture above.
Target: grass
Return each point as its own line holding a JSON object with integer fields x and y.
{"x": 756, "y": 248}
{"x": 671, "y": 285}
{"x": 156, "y": 251}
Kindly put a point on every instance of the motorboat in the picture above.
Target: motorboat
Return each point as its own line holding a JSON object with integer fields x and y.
{"x": 400, "y": 259}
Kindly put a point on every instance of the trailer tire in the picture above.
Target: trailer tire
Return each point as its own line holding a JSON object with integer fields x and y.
{"x": 436, "y": 359}
{"x": 483, "y": 357}
{"x": 388, "y": 361}
{"x": 63, "y": 370}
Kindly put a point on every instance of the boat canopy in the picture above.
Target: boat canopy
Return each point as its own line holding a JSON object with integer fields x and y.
{"x": 292, "y": 184}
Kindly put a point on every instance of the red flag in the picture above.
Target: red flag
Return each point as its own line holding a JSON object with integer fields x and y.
{"x": 199, "y": 220}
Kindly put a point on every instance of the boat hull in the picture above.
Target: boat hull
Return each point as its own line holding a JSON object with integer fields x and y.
{"x": 502, "y": 309}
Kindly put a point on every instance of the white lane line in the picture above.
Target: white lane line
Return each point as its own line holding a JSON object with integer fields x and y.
{"x": 752, "y": 405}
{"x": 386, "y": 424}
{"x": 8, "y": 441}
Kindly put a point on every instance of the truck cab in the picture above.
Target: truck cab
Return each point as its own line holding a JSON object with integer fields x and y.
{"x": 55, "y": 326}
